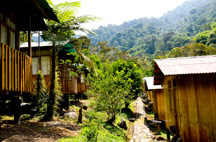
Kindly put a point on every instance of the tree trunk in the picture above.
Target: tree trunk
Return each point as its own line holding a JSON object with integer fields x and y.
{"x": 111, "y": 120}
{"x": 127, "y": 105}
{"x": 52, "y": 95}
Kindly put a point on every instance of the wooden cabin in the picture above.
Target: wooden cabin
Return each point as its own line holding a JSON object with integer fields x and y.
{"x": 42, "y": 60}
{"x": 189, "y": 89}
{"x": 16, "y": 67}
{"x": 148, "y": 92}
{"x": 155, "y": 94}
{"x": 16, "y": 16}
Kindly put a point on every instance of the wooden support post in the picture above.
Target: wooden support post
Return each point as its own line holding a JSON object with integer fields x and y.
{"x": 17, "y": 41}
{"x": 17, "y": 110}
{"x": 29, "y": 39}
{"x": 66, "y": 101}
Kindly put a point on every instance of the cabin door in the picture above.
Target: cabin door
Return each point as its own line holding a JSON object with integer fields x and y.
{"x": 175, "y": 105}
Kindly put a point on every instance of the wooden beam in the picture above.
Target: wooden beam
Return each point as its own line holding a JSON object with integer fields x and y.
{"x": 41, "y": 9}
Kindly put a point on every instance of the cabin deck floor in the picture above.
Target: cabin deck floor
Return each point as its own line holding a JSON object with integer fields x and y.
{"x": 141, "y": 131}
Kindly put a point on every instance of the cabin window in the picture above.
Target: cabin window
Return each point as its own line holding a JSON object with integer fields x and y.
{"x": 35, "y": 65}
{"x": 172, "y": 86}
{"x": 45, "y": 65}
{"x": 4, "y": 34}
{"x": 8, "y": 34}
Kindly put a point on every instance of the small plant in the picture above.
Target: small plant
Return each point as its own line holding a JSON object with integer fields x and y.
{"x": 40, "y": 94}
{"x": 92, "y": 132}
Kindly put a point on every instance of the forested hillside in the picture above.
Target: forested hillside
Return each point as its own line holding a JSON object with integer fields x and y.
{"x": 151, "y": 36}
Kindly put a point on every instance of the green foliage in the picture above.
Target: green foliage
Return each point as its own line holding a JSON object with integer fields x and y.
{"x": 92, "y": 131}
{"x": 131, "y": 72}
{"x": 40, "y": 94}
{"x": 145, "y": 36}
{"x": 58, "y": 33}
{"x": 107, "y": 92}
{"x": 57, "y": 90}
{"x": 195, "y": 49}
{"x": 115, "y": 86}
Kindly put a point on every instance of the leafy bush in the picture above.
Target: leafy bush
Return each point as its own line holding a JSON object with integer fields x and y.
{"x": 40, "y": 94}
{"x": 91, "y": 132}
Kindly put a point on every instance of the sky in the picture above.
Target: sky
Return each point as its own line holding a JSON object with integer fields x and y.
{"x": 119, "y": 11}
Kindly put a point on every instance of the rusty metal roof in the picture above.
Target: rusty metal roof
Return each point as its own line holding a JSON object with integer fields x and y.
{"x": 187, "y": 65}
{"x": 150, "y": 83}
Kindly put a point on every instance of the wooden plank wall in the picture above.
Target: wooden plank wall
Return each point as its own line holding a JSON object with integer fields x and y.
{"x": 154, "y": 94}
{"x": 69, "y": 84}
{"x": 16, "y": 70}
{"x": 195, "y": 97}
{"x": 169, "y": 115}
{"x": 160, "y": 104}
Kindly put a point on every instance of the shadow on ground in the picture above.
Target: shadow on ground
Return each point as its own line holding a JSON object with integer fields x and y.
{"x": 36, "y": 131}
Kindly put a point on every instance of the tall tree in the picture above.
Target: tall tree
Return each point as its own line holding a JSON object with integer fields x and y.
{"x": 59, "y": 33}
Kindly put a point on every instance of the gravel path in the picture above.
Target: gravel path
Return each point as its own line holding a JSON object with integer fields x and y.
{"x": 141, "y": 132}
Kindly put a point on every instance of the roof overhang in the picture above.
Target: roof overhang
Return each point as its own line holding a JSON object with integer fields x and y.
{"x": 24, "y": 9}
{"x": 149, "y": 84}
{"x": 183, "y": 66}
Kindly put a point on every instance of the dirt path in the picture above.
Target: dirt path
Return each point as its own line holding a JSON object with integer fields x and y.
{"x": 141, "y": 132}
{"x": 37, "y": 131}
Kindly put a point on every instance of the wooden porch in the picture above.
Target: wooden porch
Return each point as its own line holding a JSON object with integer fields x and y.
{"x": 16, "y": 70}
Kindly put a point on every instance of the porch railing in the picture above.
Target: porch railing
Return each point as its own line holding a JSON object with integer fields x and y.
{"x": 16, "y": 70}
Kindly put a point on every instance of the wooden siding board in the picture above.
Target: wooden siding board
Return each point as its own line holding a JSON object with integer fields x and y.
{"x": 9, "y": 69}
{"x": 160, "y": 105}
{"x": 18, "y": 71}
{"x": 3, "y": 66}
{"x": 6, "y": 67}
{"x": 13, "y": 84}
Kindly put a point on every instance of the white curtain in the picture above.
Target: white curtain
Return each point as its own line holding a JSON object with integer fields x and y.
{"x": 4, "y": 32}
{"x": 35, "y": 65}
{"x": 45, "y": 65}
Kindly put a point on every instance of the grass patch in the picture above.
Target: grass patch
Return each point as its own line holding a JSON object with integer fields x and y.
{"x": 151, "y": 114}
{"x": 73, "y": 139}
{"x": 106, "y": 133}
{"x": 95, "y": 124}
{"x": 162, "y": 133}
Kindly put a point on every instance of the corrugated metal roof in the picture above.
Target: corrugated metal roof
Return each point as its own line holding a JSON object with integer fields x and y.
{"x": 150, "y": 83}
{"x": 35, "y": 44}
{"x": 187, "y": 65}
